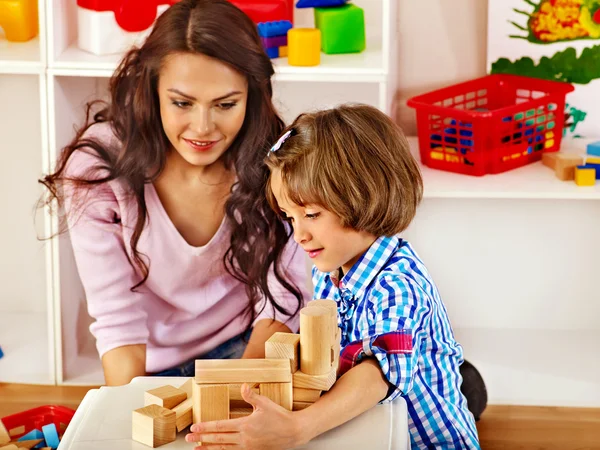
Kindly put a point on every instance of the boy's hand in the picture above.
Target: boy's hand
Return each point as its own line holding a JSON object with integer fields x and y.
{"x": 269, "y": 427}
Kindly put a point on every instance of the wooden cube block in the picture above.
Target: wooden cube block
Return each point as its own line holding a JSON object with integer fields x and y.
{"x": 153, "y": 425}
{"x": 165, "y": 396}
{"x": 183, "y": 414}
{"x": 280, "y": 393}
{"x": 9, "y": 447}
{"x": 321, "y": 382}
{"x": 228, "y": 371}
{"x": 27, "y": 444}
{"x": 565, "y": 166}
{"x": 211, "y": 402}
{"x": 187, "y": 387}
{"x": 549, "y": 159}
{"x": 284, "y": 346}
{"x": 306, "y": 395}
{"x": 235, "y": 391}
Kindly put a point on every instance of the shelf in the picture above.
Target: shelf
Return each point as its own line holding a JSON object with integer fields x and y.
{"x": 534, "y": 181}
{"x": 24, "y": 340}
{"x": 20, "y": 57}
{"x": 536, "y": 367}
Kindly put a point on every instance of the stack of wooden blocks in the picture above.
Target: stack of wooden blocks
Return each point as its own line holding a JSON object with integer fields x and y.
{"x": 297, "y": 368}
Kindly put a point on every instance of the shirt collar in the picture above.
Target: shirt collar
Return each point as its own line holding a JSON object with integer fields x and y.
{"x": 364, "y": 271}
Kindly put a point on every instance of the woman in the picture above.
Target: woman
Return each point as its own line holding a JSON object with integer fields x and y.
{"x": 178, "y": 251}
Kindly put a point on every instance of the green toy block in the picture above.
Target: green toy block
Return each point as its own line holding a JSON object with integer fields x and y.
{"x": 342, "y": 29}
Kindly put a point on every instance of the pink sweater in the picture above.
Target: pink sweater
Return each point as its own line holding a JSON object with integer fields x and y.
{"x": 189, "y": 303}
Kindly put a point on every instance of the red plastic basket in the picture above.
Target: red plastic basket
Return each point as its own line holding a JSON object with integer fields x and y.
{"x": 491, "y": 124}
{"x": 38, "y": 417}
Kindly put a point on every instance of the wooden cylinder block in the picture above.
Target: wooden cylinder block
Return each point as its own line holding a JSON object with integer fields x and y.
{"x": 315, "y": 340}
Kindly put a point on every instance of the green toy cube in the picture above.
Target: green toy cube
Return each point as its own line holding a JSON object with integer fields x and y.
{"x": 342, "y": 29}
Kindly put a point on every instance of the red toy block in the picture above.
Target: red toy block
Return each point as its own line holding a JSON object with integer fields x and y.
{"x": 131, "y": 15}
{"x": 267, "y": 10}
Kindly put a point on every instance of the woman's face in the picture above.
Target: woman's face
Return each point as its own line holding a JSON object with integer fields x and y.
{"x": 202, "y": 106}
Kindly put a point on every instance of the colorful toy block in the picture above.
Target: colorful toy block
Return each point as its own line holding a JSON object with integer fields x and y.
{"x": 1, "y": 353}
{"x": 585, "y": 176}
{"x": 596, "y": 167}
{"x": 594, "y": 148}
{"x": 283, "y": 51}
{"x": 275, "y": 41}
{"x": 319, "y": 3}
{"x": 109, "y": 27}
{"x": 272, "y": 52}
{"x": 304, "y": 47}
{"x": 50, "y": 435}
{"x": 267, "y": 10}
{"x": 19, "y": 19}
{"x": 342, "y": 29}
{"x": 274, "y": 29}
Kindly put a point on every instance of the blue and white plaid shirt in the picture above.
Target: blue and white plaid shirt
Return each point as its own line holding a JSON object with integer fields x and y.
{"x": 389, "y": 289}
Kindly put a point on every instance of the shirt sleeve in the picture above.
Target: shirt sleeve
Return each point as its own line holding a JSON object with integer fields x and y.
{"x": 295, "y": 267}
{"x": 397, "y": 303}
{"x": 96, "y": 233}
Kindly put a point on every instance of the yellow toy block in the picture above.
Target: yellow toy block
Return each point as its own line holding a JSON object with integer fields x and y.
{"x": 19, "y": 19}
{"x": 592, "y": 160}
{"x": 283, "y": 51}
{"x": 585, "y": 176}
{"x": 304, "y": 47}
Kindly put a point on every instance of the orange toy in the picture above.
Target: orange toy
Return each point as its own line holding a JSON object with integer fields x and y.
{"x": 19, "y": 19}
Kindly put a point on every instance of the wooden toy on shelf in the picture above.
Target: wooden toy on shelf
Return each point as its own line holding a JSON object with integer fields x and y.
{"x": 563, "y": 164}
{"x": 304, "y": 47}
{"x": 19, "y": 19}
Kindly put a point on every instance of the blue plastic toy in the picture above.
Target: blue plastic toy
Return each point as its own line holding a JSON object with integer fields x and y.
{"x": 1, "y": 353}
{"x": 34, "y": 434}
{"x": 272, "y": 52}
{"x": 51, "y": 435}
{"x": 593, "y": 148}
{"x": 319, "y": 3}
{"x": 276, "y": 28}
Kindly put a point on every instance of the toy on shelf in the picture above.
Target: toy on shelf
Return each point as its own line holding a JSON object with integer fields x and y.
{"x": 267, "y": 10}
{"x": 490, "y": 124}
{"x": 585, "y": 176}
{"x": 297, "y": 368}
{"x": 319, "y": 3}
{"x": 112, "y": 26}
{"x": 342, "y": 29}
{"x": 593, "y": 148}
{"x": 1, "y": 353}
{"x": 304, "y": 47}
{"x": 39, "y": 428}
{"x": 274, "y": 37}
{"x": 563, "y": 164}
{"x": 19, "y": 19}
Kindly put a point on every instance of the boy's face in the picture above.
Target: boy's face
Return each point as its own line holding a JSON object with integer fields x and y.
{"x": 320, "y": 233}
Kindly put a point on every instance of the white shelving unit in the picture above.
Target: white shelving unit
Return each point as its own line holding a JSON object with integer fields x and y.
{"x": 514, "y": 255}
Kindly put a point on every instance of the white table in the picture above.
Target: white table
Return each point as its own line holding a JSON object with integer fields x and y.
{"x": 103, "y": 422}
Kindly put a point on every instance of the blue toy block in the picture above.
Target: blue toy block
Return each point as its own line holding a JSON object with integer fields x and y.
{"x": 1, "y": 353}
{"x": 593, "y": 148}
{"x": 275, "y": 28}
{"x": 34, "y": 434}
{"x": 51, "y": 435}
{"x": 319, "y": 3}
{"x": 273, "y": 52}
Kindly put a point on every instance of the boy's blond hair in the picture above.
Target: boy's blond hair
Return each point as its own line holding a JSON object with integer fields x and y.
{"x": 353, "y": 161}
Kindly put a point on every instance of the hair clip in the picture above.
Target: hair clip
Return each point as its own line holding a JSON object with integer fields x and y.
{"x": 281, "y": 140}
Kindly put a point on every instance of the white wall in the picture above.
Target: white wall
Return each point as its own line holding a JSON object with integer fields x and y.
{"x": 441, "y": 42}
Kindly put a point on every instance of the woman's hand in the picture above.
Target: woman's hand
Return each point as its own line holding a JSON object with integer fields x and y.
{"x": 269, "y": 427}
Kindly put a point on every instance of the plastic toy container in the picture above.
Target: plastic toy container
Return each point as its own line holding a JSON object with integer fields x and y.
{"x": 490, "y": 124}
{"x": 38, "y": 417}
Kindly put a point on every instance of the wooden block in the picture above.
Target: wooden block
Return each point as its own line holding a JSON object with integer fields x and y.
{"x": 165, "y": 396}
{"x": 322, "y": 382}
{"x": 331, "y": 306}
{"x": 45, "y": 448}
{"x": 237, "y": 404}
{"x": 153, "y": 425}
{"x": 211, "y": 402}
{"x": 284, "y": 346}
{"x": 236, "y": 413}
{"x": 235, "y": 391}
{"x": 4, "y": 436}
{"x": 187, "y": 387}
{"x": 549, "y": 159}
{"x": 297, "y": 406}
{"x": 565, "y": 166}
{"x": 17, "y": 430}
{"x": 183, "y": 413}
{"x": 280, "y": 393}
{"x": 306, "y": 395}
{"x": 316, "y": 333}
{"x": 216, "y": 371}
{"x": 337, "y": 348}
{"x": 27, "y": 444}
{"x": 9, "y": 447}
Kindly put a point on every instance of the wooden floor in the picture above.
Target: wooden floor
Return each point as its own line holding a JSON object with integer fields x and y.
{"x": 500, "y": 427}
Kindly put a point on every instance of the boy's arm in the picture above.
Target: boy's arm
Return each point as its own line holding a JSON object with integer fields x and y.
{"x": 272, "y": 427}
